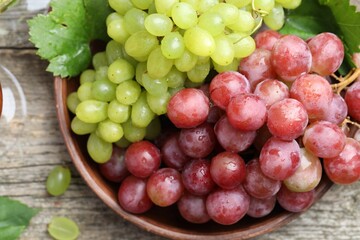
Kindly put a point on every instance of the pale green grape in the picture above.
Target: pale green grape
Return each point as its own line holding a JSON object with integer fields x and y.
{"x": 291, "y": 4}
{"x": 205, "y": 5}
{"x": 224, "y": 52}
{"x": 82, "y": 128}
{"x": 231, "y": 67}
{"x": 140, "y": 70}
{"x": 165, "y": 6}
{"x": 202, "y": 59}
{"x": 172, "y": 91}
{"x": 175, "y": 78}
{"x": 134, "y": 20}
{"x": 193, "y": 3}
{"x": 58, "y": 180}
{"x": 110, "y": 131}
{"x": 113, "y": 51}
{"x": 158, "y": 103}
{"x": 121, "y": 6}
{"x": 116, "y": 30}
{"x": 111, "y": 17}
{"x": 99, "y": 150}
{"x": 128, "y": 92}
{"x": 118, "y": 112}
{"x": 264, "y": 5}
{"x": 158, "y": 24}
{"x": 129, "y": 58}
{"x": 103, "y": 90}
{"x": 123, "y": 143}
{"x": 99, "y": 60}
{"x": 141, "y": 114}
{"x": 245, "y": 22}
{"x": 87, "y": 76}
{"x": 244, "y": 45}
{"x": 142, "y": 4}
{"x": 191, "y": 84}
{"x": 155, "y": 86}
{"x": 140, "y": 44}
{"x": 212, "y": 22}
{"x": 184, "y": 15}
{"x": 84, "y": 91}
{"x": 120, "y": 70}
{"x": 72, "y": 101}
{"x": 199, "y": 73}
{"x": 172, "y": 45}
{"x": 276, "y": 18}
{"x": 157, "y": 64}
{"x": 153, "y": 130}
{"x": 228, "y": 12}
{"x": 199, "y": 41}
{"x": 63, "y": 228}
{"x": 101, "y": 73}
{"x": 186, "y": 62}
{"x": 133, "y": 133}
{"x": 92, "y": 111}
{"x": 239, "y": 3}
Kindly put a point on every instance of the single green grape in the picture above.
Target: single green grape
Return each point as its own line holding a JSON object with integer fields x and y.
{"x": 63, "y": 228}
{"x": 103, "y": 90}
{"x": 245, "y": 22}
{"x": 110, "y": 131}
{"x": 186, "y": 62}
{"x": 121, "y": 6}
{"x": 175, "y": 78}
{"x": 141, "y": 113}
{"x": 158, "y": 103}
{"x": 72, "y": 101}
{"x": 113, "y": 51}
{"x": 158, "y": 24}
{"x": 290, "y": 4}
{"x": 101, "y": 73}
{"x": 244, "y": 45}
{"x": 140, "y": 44}
{"x": 58, "y": 180}
{"x": 142, "y": 4}
{"x": 153, "y": 130}
{"x": 212, "y": 22}
{"x": 264, "y": 5}
{"x": 92, "y": 111}
{"x": 184, "y": 15}
{"x": 228, "y": 12}
{"x": 276, "y": 18}
{"x": 140, "y": 70}
{"x": 84, "y": 91}
{"x": 157, "y": 64}
{"x": 224, "y": 52}
{"x": 155, "y": 86}
{"x": 82, "y": 128}
{"x": 199, "y": 41}
{"x": 128, "y": 92}
{"x": 111, "y": 17}
{"x": 172, "y": 45}
{"x": 133, "y": 133}
{"x": 205, "y": 5}
{"x": 116, "y": 30}
{"x": 199, "y": 73}
{"x": 118, "y": 112}
{"x": 134, "y": 20}
{"x": 231, "y": 67}
{"x": 165, "y": 6}
{"x": 99, "y": 150}
{"x": 120, "y": 70}
{"x": 123, "y": 143}
{"x": 87, "y": 76}
{"x": 99, "y": 59}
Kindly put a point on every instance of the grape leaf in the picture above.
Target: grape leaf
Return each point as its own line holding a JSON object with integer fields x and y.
{"x": 63, "y": 35}
{"x": 14, "y": 218}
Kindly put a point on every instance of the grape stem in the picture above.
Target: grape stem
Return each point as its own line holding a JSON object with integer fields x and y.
{"x": 261, "y": 12}
{"x": 348, "y": 121}
{"x": 345, "y": 81}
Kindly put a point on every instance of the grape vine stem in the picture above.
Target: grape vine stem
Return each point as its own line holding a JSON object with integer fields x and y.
{"x": 348, "y": 121}
{"x": 346, "y": 81}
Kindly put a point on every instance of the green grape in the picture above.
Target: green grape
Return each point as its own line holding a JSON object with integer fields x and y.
{"x": 186, "y": 62}
{"x": 99, "y": 60}
{"x": 152, "y": 8}
{"x": 58, "y": 180}
{"x": 153, "y": 130}
{"x": 205, "y": 5}
{"x": 239, "y": 3}
{"x": 172, "y": 45}
{"x": 121, "y": 6}
{"x": 101, "y": 73}
{"x": 155, "y": 86}
{"x": 123, "y": 143}
{"x": 199, "y": 73}
{"x": 133, "y": 133}
{"x": 276, "y": 18}
{"x": 110, "y": 131}
{"x": 212, "y": 22}
{"x": 184, "y": 15}
{"x": 116, "y": 30}
{"x": 291, "y": 4}
{"x": 103, "y": 90}
{"x": 111, "y": 17}
{"x": 245, "y": 22}
{"x": 172, "y": 91}
{"x": 129, "y": 58}
{"x": 99, "y": 150}
{"x": 199, "y": 41}
{"x": 118, "y": 112}
{"x": 142, "y": 4}
{"x": 87, "y": 76}
{"x": 165, "y": 6}
{"x": 63, "y": 228}
{"x": 175, "y": 78}
{"x": 141, "y": 68}
{"x": 158, "y": 24}
{"x": 134, "y": 20}
{"x": 141, "y": 114}
{"x": 140, "y": 44}
{"x": 244, "y": 45}
{"x": 157, "y": 64}
{"x": 231, "y": 67}
{"x": 92, "y": 111}
{"x": 113, "y": 51}
{"x": 224, "y": 52}
{"x": 264, "y": 5}
{"x": 193, "y": 3}
{"x": 120, "y": 70}
{"x": 228, "y": 12}
{"x": 202, "y": 60}
{"x": 82, "y": 128}
{"x": 191, "y": 84}
{"x": 84, "y": 91}
{"x": 158, "y": 103}
{"x": 128, "y": 92}
{"x": 72, "y": 101}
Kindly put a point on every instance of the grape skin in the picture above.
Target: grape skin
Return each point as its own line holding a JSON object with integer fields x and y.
{"x": 352, "y": 99}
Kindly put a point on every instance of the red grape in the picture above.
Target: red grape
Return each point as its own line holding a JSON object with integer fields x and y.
{"x": 266, "y": 39}
{"x": 337, "y": 111}
{"x": 193, "y": 208}
{"x": 352, "y": 99}
{"x": 171, "y": 153}
{"x": 271, "y": 91}
{"x": 261, "y": 207}
{"x": 295, "y": 201}
{"x": 115, "y": 170}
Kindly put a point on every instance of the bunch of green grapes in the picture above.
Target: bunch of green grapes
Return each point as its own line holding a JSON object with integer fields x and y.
{"x": 158, "y": 47}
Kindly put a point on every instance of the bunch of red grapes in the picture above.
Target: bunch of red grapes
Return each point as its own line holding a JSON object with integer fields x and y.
{"x": 248, "y": 139}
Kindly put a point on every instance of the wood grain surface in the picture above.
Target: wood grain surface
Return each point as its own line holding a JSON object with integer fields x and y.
{"x": 40, "y": 147}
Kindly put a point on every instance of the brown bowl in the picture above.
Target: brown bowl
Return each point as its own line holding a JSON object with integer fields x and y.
{"x": 162, "y": 221}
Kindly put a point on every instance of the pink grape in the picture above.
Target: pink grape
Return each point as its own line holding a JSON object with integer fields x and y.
{"x": 227, "y": 207}
{"x": 327, "y": 52}
{"x": 291, "y": 57}
{"x": 226, "y": 85}
{"x": 324, "y": 139}
{"x": 142, "y": 158}
{"x": 228, "y": 170}
{"x": 314, "y": 92}
{"x": 261, "y": 207}
{"x": 287, "y": 119}
{"x": 272, "y": 91}
{"x": 132, "y": 195}
{"x": 188, "y": 108}
{"x": 232, "y": 139}
{"x": 337, "y": 111}
{"x": 295, "y": 201}
{"x": 266, "y": 39}
{"x": 115, "y": 170}
{"x": 215, "y": 113}
{"x": 171, "y": 153}
{"x": 345, "y": 168}
{"x": 193, "y": 208}
{"x": 164, "y": 187}
{"x": 279, "y": 159}
{"x": 246, "y": 112}
{"x": 352, "y": 99}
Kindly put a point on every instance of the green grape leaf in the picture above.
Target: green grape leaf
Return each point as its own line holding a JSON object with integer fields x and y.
{"x": 14, "y": 218}
{"x": 63, "y": 35}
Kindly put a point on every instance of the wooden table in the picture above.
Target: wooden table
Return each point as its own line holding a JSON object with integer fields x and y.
{"x": 24, "y": 169}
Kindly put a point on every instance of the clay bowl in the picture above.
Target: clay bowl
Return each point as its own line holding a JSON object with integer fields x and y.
{"x": 161, "y": 221}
